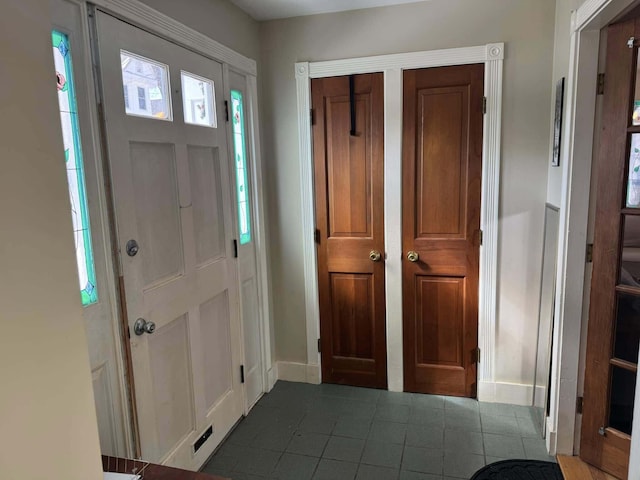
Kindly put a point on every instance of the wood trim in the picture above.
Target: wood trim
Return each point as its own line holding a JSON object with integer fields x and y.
{"x": 492, "y": 55}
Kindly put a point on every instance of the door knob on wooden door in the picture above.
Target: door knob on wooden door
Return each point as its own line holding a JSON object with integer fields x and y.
{"x": 413, "y": 256}
{"x": 375, "y": 255}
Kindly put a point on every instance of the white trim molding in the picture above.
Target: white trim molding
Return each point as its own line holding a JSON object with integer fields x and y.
{"x": 492, "y": 55}
{"x": 298, "y": 372}
{"x": 151, "y": 20}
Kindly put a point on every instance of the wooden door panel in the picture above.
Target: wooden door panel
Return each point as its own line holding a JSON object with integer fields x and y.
{"x": 349, "y": 187}
{"x": 352, "y": 308}
{"x": 439, "y": 320}
{"x": 610, "y": 371}
{"x": 348, "y": 169}
{"x": 441, "y": 162}
{"x": 442, "y": 171}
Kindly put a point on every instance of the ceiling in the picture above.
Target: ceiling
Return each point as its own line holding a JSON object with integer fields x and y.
{"x": 272, "y": 9}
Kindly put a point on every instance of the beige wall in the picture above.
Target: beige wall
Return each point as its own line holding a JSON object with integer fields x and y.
{"x": 527, "y": 27}
{"x": 47, "y": 415}
{"x": 218, "y": 19}
{"x": 560, "y": 69}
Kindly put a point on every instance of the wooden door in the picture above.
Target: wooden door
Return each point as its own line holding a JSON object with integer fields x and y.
{"x": 252, "y": 369}
{"x": 167, "y": 146}
{"x": 348, "y": 149}
{"x": 614, "y": 329}
{"x": 441, "y": 173}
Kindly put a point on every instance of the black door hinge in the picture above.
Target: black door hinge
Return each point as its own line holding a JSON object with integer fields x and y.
{"x": 476, "y": 354}
{"x": 601, "y": 84}
{"x": 484, "y": 105}
{"x": 579, "y": 404}
{"x": 241, "y": 373}
{"x": 316, "y": 236}
{"x": 226, "y": 110}
{"x": 312, "y": 115}
{"x": 589, "y": 253}
{"x": 481, "y": 237}
{"x": 128, "y": 332}
{"x": 319, "y": 346}
{"x": 235, "y": 248}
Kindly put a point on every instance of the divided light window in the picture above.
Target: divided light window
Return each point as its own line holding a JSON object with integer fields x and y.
{"x": 75, "y": 167}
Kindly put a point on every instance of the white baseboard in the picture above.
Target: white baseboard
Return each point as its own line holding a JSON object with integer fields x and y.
{"x": 298, "y": 372}
{"x": 513, "y": 393}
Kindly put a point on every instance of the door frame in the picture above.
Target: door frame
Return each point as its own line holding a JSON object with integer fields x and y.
{"x": 563, "y": 421}
{"x": 492, "y": 56}
{"x": 149, "y": 19}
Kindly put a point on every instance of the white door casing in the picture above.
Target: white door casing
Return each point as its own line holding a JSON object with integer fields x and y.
{"x": 492, "y": 55}
{"x": 171, "y": 195}
{"x": 101, "y": 318}
{"x": 248, "y": 280}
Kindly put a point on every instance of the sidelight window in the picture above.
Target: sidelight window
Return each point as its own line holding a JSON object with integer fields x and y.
{"x": 75, "y": 167}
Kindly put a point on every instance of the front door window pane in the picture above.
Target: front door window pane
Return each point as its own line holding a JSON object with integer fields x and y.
{"x": 75, "y": 167}
{"x": 148, "y": 80}
{"x": 198, "y": 100}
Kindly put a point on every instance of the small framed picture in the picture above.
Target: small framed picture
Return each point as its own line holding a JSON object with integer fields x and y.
{"x": 557, "y": 123}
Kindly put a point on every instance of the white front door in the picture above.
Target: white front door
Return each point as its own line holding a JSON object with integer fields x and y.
{"x": 167, "y": 149}
{"x": 246, "y": 246}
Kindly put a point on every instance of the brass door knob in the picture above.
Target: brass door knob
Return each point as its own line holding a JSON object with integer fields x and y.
{"x": 413, "y": 256}
{"x": 375, "y": 255}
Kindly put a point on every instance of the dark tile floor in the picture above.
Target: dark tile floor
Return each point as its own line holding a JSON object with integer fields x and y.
{"x": 331, "y": 432}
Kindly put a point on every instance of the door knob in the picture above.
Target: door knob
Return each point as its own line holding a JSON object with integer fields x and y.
{"x": 375, "y": 255}
{"x": 142, "y": 326}
{"x": 413, "y": 256}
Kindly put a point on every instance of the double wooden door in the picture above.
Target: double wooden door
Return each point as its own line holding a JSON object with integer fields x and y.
{"x": 614, "y": 316}
{"x": 442, "y": 156}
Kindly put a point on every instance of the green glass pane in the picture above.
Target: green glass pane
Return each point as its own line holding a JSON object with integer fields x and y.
{"x": 242, "y": 184}
{"x": 75, "y": 169}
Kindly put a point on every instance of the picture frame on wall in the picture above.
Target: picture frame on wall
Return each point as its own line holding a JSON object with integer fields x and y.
{"x": 557, "y": 123}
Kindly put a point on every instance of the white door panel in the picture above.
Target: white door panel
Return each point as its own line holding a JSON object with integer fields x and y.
{"x": 170, "y": 197}
{"x": 247, "y": 264}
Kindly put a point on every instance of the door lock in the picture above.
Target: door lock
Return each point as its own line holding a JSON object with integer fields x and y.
{"x": 142, "y": 326}
{"x": 132, "y": 248}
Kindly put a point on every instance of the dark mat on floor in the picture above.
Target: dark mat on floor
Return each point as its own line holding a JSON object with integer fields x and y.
{"x": 519, "y": 470}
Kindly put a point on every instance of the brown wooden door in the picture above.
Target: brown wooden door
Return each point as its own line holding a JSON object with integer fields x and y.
{"x": 614, "y": 316}
{"x": 442, "y": 171}
{"x": 349, "y": 185}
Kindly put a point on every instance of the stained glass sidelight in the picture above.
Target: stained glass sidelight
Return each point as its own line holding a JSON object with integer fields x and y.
{"x": 244, "y": 217}
{"x": 75, "y": 169}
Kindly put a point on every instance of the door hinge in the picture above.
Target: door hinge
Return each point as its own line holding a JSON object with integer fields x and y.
{"x": 319, "y": 346}
{"x": 579, "y": 403}
{"x": 481, "y": 237}
{"x": 484, "y": 105}
{"x": 589, "y": 253}
{"x": 241, "y": 373}
{"x": 316, "y": 236}
{"x": 226, "y": 110}
{"x": 601, "y": 84}
{"x": 476, "y": 355}
{"x": 312, "y": 115}
{"x": 235, "y": 248}
{"x": 128, "y": 332}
